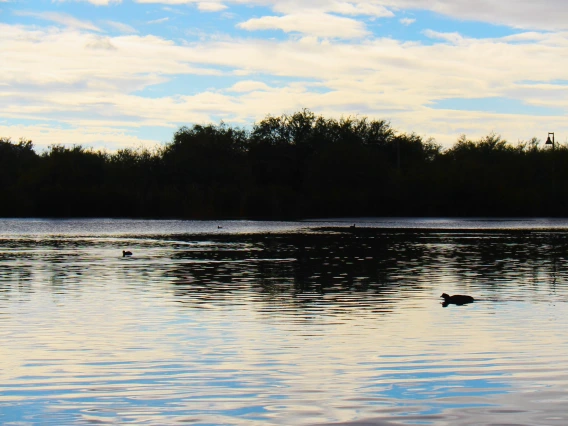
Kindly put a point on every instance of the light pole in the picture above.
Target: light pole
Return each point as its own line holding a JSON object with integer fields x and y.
{"x": 550, "y": 141}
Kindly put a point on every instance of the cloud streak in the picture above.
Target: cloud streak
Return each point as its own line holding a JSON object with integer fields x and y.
{"x": 121, "y": 27}
{"x": 158, "y": 21}
{"x": 60, "y": 18}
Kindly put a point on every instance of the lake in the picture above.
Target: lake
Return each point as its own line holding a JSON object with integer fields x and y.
{"x": 283, "y": 323}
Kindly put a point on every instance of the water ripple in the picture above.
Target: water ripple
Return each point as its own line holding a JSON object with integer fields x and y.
{"x": 283, "y": 328}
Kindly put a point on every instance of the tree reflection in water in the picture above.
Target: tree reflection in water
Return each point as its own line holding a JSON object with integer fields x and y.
{"x": 381, "y": 267}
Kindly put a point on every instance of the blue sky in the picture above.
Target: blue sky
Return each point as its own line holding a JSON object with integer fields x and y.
{"x": 113, "y": 74}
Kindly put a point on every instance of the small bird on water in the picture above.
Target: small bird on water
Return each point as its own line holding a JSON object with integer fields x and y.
{"x": 126, "y": 253}
{"x": 456, "y": 299}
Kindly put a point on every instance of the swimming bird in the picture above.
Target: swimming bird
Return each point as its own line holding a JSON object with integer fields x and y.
{"x": 126, "y": 253}
{"x": 456, "y": 299}
{"x": 219, "y": 227}
{"x": 352, "y": 226}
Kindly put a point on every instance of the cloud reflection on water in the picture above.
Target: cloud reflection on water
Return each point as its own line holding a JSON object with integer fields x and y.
{"x": 312, "y": 328}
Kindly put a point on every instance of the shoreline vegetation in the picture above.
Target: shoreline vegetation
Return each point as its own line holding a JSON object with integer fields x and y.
{"x": 288, "y": 167}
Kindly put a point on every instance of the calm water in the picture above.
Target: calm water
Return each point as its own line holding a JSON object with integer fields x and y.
{"x": 292, "y": 323}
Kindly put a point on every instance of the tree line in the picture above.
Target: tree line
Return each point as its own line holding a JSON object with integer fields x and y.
{"x": 292, "y": 166}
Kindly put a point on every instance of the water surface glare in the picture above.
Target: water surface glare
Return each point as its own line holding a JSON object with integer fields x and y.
{"x": 283, "y": 323}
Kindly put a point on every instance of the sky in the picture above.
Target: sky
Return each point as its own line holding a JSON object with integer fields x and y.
{"x": 112, "y": 74}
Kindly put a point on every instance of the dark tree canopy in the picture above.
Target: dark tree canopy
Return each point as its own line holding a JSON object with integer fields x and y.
{"x": 292, "y": 166}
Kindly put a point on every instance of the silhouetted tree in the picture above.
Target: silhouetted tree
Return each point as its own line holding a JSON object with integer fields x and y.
{"x": 290, "y": 166}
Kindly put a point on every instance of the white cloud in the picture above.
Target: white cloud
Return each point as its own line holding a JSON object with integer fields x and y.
{"x": 104, "y": 43}
{"x": 121, "y": 27}
{"x": 103, "y": 2}
{"x": 454, "y": 38}
{"x": 60, "y": 18}
{"x": 318, "y": 24}
{"x": 353, "y": 8}
{"x": 248, "y": 86}
{"x": 171, "y": 2}
{"x": 93, "y": 136}
{"x": 526, "y": 37}
{"x": 173, "y": 10}
{"x": 94, "y": 2}
{"x": 360, "y": 8}
{"x": 407, "y": 21}
{"x": 158, "y": 21}
{"x": 210, "y": 6}
{"x": 542, "y": 15}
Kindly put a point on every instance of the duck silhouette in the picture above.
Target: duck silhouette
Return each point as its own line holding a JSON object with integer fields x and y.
{"x": 456, "y": 299}
{"x": 126, "y": 253}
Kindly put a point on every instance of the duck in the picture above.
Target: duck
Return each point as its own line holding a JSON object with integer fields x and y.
{"x": 457, "y": 299}
{"x": 352, "y": 226}
{"x": 126, "y": 253}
